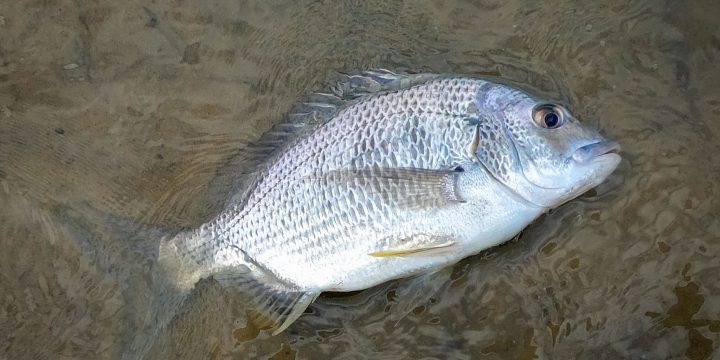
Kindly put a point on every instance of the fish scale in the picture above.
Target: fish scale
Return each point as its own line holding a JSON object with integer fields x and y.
{"x": 354, "y": 120}
{"x": 411, "y": 174}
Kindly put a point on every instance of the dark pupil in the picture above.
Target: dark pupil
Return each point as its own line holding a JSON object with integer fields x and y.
{"x": 551, "y": 119}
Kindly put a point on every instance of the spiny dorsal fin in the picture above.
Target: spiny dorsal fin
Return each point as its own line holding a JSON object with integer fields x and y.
{"x": 377, "y": 81}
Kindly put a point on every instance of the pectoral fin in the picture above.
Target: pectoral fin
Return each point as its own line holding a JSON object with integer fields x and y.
{"x": 402, "y": 187}
{"x": 418, "y": 245}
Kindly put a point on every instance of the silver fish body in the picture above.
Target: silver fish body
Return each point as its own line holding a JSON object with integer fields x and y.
{"x": 398, "y": 182}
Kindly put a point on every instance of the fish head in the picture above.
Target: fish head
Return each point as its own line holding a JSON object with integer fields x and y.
{"x": 537, "y": 148}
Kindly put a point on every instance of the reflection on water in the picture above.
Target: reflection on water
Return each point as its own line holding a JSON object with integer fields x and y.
{"x": 114, "y": 114}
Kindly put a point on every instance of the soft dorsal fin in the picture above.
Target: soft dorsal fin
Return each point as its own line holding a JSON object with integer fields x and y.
{"x": 239, "y": 171}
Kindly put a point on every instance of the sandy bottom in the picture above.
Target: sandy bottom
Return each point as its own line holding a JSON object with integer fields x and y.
{"x": 117, "y": 117}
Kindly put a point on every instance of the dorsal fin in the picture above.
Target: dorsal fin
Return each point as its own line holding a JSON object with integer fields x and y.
{"x": 351, "y": 87}
{"x": 240, "y": 172}
{"x": 318, "y": 108}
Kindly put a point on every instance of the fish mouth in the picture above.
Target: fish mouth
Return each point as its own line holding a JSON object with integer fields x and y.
{"x": 593, "y": 151}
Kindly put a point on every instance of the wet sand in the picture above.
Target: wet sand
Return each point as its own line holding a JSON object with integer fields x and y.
{"x": 121, "y": 116}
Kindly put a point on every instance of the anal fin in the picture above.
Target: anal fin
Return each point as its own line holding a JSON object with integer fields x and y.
{"x": 276, "y": 303}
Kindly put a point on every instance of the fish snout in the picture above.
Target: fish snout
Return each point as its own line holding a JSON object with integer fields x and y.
{"x": 589, "y": 152}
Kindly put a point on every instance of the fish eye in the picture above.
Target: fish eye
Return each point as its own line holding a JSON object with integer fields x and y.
{"x": 548, "y": 116}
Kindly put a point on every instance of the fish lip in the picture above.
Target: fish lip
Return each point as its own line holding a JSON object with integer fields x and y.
{"x": 596, "y": 150}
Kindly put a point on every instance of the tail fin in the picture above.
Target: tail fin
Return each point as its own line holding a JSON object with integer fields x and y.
{"x": 153, "y": 293}
{"x": 61, "y": 172}
{"x": 158, "y": 270}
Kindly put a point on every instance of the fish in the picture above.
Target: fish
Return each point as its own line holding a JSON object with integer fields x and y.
{"x": 387, "y": 176}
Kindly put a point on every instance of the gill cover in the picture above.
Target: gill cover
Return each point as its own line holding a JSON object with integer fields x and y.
{"x": 534, "y": 160}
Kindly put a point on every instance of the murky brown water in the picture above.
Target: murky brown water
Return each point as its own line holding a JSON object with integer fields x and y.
{"x": 128, "y": 110}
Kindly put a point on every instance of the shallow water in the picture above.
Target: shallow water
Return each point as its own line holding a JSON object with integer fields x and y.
{"x": 124, "y": 113}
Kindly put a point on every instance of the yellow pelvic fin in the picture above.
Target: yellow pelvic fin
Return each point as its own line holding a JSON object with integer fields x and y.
{"x": 420, "y": 250}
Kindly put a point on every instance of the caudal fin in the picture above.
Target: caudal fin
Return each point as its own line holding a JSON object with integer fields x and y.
{"x": 158, "y": 270}
{"x": 130, "y": 252}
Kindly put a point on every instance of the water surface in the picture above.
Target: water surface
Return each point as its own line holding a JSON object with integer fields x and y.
{"x": 120, "y": 116}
